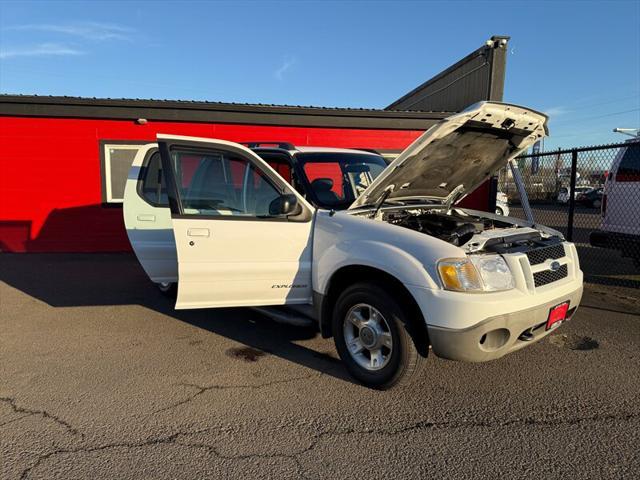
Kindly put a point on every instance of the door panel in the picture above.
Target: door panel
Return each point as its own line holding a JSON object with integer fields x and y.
{"x": 147, "y": 217}
{"x": 231, "y": 250}
{"x": 243, "y": 263}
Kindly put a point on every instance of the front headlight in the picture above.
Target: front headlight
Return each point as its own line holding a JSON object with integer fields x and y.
{"x": 476, "y": 273}
{"x": 459, "y": 274}
{"x": 494, "y": 271}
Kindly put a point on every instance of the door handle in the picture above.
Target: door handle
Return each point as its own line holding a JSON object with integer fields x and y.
{"x": 198, "y": 232}
{"x": 147, "y": 217}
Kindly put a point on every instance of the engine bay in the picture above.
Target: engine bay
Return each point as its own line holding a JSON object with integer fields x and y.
{"x": 452, "y": 227}
{"x": 473, "y": 232}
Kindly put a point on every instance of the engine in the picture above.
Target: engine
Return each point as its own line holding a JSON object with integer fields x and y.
{"x": 453, "y": 227}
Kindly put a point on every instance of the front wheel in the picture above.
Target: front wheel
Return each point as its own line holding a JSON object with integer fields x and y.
{"x": 371, "y": 336}
{"x": 499, "y": 211}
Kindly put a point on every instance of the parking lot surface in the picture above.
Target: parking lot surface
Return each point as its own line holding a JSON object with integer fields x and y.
{"x": 101, "y": 378}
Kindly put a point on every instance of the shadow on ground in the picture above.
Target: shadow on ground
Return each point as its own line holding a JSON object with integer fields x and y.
{"x": 79, "y": 280}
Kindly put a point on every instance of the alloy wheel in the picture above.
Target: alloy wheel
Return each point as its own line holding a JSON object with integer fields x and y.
{"x": 368, "y": 337}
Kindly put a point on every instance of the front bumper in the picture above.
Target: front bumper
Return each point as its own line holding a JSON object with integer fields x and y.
{"x": 496, "y": 336}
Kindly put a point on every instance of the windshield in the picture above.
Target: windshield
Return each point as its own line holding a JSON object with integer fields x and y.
{"x": 337, "y": 179}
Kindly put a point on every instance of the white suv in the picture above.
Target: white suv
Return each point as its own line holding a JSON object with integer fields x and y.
{"x": 380, "y": 258}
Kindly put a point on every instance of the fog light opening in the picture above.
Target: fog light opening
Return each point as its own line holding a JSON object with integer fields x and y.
{"x": 494, "y": 340}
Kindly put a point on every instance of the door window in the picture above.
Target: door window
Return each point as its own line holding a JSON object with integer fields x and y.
{"x": 221, "y": 184}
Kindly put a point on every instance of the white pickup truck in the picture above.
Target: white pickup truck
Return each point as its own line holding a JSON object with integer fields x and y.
{"x": 387, "y": 266}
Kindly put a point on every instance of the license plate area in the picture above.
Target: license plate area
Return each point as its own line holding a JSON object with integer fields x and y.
{"x": 557, "y": 315}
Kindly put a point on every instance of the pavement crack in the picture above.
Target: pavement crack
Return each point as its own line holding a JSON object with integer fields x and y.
{"x": 149, "y": 442}
{"x": 41, "y": 413}
{"x": 426, "y": 425}
{"x": 200, "y": 389}
{"x": 294, "y": 456}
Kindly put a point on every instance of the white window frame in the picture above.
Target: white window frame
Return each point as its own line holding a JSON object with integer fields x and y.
{"x": 108, "y": 194}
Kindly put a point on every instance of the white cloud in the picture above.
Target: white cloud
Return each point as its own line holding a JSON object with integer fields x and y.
{"x": 40, "y": 50}
{"x": 286, "y": 65}
{"x": 556, "y": 111}
{"x": 86, "y": 30}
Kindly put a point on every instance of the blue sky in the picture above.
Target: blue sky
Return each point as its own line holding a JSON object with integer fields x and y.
{"x": 578, "y": 61}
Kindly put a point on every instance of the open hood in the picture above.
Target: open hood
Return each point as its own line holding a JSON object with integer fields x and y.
{"x": 457, "y": 154}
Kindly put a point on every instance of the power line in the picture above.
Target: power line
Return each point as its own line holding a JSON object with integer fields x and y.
{"x": 611, "y": 114}
{"x": 607, "y": 102}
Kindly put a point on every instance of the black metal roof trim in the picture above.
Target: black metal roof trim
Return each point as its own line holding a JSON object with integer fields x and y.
{"x": 214, "y": 112}
{"x": 496, "y": 67}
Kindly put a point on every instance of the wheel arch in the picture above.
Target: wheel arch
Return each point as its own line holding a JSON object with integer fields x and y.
{"x": 351, "y": 274}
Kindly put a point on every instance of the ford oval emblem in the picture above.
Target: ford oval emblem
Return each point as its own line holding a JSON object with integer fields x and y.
{"x": 555, "y": 266}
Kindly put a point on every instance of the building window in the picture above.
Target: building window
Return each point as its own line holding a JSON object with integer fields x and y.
{"x": 117, "y": 159}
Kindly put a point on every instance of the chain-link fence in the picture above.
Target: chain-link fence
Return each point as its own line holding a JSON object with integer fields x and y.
{"x": 591, "y": 195}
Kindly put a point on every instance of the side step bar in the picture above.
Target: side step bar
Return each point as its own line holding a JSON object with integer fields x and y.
{"x": 285, "y": 315}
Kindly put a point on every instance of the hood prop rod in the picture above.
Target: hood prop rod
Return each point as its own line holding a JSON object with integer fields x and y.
{"x": 453, "y": 197}
{"x": 524, "y": 199}
{"x": 381, "y": 200}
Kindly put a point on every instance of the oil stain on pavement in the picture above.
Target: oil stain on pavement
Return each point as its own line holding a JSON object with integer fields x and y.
{"x": 247, "y": 354}
{"x": 574, "y": 342}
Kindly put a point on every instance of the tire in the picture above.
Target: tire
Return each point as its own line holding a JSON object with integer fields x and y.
{"x": 366, "y": 313}
{"x": 168, "y": 289}
{"x": 499, "y": 211}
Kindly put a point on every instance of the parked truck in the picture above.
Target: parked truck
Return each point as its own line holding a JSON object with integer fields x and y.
{"x": 384, "y": 262}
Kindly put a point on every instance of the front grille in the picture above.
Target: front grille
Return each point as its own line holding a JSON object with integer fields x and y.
{"x": 548, "y": 276}
{"x": 541, "y": 255}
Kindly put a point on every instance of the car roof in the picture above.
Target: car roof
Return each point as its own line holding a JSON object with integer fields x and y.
{"x": 309, "y": 149}
{"x": 312, "y": 149}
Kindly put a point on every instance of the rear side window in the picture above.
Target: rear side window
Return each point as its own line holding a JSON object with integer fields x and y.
{"x": 629, "y": 169}
{"x": 153, "y": 189}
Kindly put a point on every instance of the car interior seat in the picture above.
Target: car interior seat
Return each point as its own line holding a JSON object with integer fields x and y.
{"x": 322, "y": 187}
{"x": 212, "y": 188}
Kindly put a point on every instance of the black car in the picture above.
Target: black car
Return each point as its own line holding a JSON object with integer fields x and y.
{"x": 591, "y": 198}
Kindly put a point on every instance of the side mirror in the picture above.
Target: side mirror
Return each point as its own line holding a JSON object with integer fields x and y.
{"x": 284, "y": 205}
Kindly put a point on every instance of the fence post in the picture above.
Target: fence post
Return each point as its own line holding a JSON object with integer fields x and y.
{"x": 572, "y": 193}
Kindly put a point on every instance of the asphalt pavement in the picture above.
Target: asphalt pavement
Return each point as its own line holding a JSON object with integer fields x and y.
{"x": 101, "y": 378}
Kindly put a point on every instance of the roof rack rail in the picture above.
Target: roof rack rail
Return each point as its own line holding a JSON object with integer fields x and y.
{"x": 370, "y": 150}
{"x": 282, "y": 145}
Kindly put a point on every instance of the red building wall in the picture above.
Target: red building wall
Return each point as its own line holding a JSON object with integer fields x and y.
{"x": 51, "y": 185}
